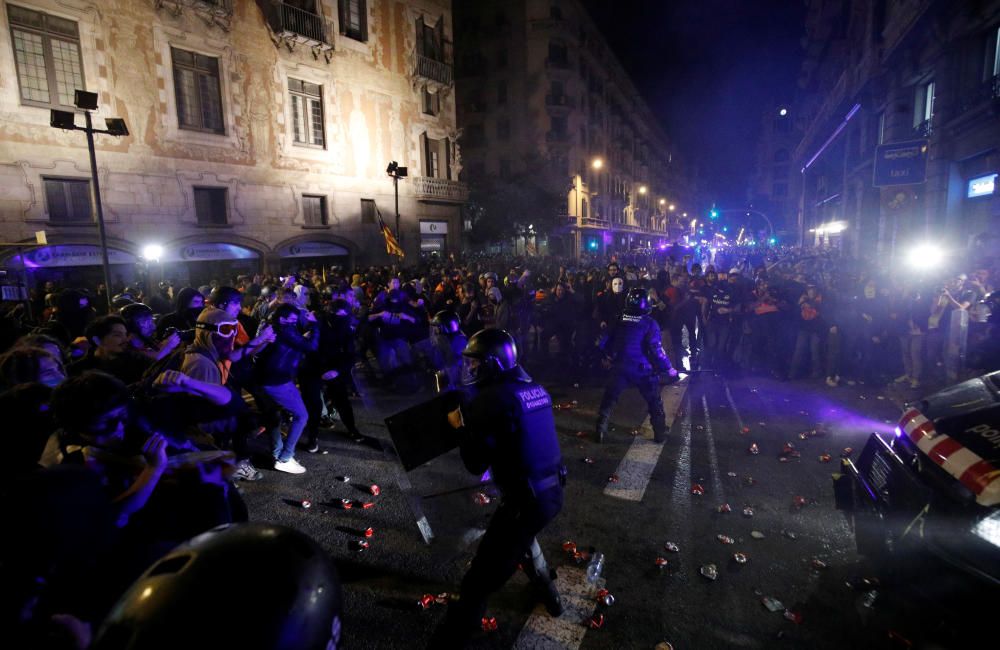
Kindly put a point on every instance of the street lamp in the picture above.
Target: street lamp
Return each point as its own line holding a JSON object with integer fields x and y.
{"x": 66, "y": 120}
{"x": 674, "y": 207}
{"x": 642, "y": 189}
{"x": 396, "y": 172}
{"x": 152, "y": 252}
{"x": 597, "y": 163}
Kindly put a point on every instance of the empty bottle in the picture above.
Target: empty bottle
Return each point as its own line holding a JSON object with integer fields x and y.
{"x": 595, "y": 567}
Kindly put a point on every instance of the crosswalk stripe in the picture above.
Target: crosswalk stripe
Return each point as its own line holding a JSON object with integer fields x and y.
{"x": 636, "y": 468}
{"x": 542, "y": 632}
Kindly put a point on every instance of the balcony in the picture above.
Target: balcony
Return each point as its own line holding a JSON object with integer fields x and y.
{"x": 292, "y": 24}
{"x": 433, "y": 70}
{"x": 439, "y": 190}
{"x": 923, "y": 130}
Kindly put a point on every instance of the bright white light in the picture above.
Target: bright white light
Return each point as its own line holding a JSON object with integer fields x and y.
{"x": 674, "y": 207}
{"x": 642, "y": 189}
{"x": 832, "y": 228}
{"x": 783, "y": 112}
{"x": 925, "y": 256}
{"x": 597, "y": 164}
{"x": 152, "y": 252}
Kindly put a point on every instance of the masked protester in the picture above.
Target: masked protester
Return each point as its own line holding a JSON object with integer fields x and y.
{"x": 611, "y": 302}
{"x": 187, "y": 307}
{"x": 142, "y": 333}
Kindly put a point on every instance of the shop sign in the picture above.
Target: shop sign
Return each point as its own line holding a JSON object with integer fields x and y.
{"x": 313, "y": 249}
{"x": 433, "y": 227}
{"x": 211, "y": 252}
{"x": 71, "y": 255}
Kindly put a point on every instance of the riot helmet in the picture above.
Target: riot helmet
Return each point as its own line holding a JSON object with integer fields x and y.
{"x": 185, "y": 598}
{"x": 133, "y": 315}
{"x": 446, "y": 322}
{"x": 490, "y": 354}
{"x": 637, "y": 301}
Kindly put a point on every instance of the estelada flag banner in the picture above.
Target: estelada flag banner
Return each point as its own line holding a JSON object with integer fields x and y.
{"x": 392, "y": 246}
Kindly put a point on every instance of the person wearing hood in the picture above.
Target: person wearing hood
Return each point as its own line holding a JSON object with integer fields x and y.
{"x": 187, "y": 307}
{"x": 501, "y": 309}
{"x": 610, "y": 303}
{"x": 73, "y": 312}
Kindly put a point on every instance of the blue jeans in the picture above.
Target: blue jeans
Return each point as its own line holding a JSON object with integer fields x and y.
{"x": 287, "y": 397}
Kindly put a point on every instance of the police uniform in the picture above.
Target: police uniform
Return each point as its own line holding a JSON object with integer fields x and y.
{"x": 510, "y": 429}
{"x": 636, "y": 351}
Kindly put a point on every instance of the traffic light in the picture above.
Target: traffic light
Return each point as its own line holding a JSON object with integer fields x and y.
{"x": 714, "y": 213}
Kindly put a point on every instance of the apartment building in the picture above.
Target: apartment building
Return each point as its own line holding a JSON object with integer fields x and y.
{"x": 882, "y": 77}
{"x": 259, "y": 134}
{"x": 536, "y": 80}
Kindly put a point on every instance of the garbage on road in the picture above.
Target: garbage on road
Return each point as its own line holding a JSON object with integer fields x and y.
{"x": 709, "y": 571}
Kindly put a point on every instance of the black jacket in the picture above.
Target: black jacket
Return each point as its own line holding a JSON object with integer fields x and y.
{"x": 279, "y": 362}
{"x": 635, "y": 345}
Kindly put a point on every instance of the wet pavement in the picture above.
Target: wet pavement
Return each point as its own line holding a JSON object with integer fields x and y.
{"x": 790, "y": 550}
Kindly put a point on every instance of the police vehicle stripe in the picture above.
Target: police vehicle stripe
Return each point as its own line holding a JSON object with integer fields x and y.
{"x": 976, "y": 474}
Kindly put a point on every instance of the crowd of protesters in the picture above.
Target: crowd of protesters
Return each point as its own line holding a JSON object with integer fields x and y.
{"x": 130, "y": 424}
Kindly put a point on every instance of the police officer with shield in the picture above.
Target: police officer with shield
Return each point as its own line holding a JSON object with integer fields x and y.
{"x": 508, "y": 427}
{"x": 635, "y": 356}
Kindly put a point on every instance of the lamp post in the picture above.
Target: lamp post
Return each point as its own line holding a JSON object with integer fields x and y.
{"x": 396, "y": 172}
{"x": 66, "y": 120}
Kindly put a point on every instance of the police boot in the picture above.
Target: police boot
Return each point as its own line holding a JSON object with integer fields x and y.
{"x": 602, "y": 428}
{"x": 548, "y": 595}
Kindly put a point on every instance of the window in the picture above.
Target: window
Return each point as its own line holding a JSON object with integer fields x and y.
{"x": 199, "y": 98}
{"x": 354, "y": 19}
{"x": 923, "y": 105}
{"x": 307, "y": 113}
{"x": 501, "y": 93}
{"x": 430, "y": 40}
{"x": 314, "y": 210}
{"x": 46, "y": 55}
{"x": 431, "y": 102}
{"x": 436, "y": 157}
{"x": 503, "y": 130}
{"x": 368, "y": 211}
{"x": 68, "y": 200}
{"x": 210, "y": 206}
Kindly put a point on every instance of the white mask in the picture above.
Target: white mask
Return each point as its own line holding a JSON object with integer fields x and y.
{"x": 617, "y": 285}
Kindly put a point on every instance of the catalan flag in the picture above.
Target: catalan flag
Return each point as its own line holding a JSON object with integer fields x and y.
{"x": 392, "y": 246}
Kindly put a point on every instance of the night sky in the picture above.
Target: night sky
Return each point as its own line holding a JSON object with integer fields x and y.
{"x": 709, "y": 67}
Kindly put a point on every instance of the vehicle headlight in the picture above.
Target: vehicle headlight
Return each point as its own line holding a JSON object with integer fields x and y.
{"x": 988, "y": 529}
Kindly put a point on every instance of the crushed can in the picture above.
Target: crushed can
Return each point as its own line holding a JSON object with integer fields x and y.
{"x": 360, "y": 545}
{"x": 346, "y": 504}
{"x": 756, "y": 534}
{"x": 605, "y": 596}
{"x": 482, "y": 499}
{"x": 369, "y": 532}
{"x": 794, "y": 617}
{"x": 740, "y": 558}
{"x": 749, "y": 481}
{"x": 731, "y": 474}
{"x": 367, "y": 505}
{"x": 772, "y": 604}
{"x": 697, "y": 489}
{"x": 425, "y": 601}
{"x": 824, "y": 458}
{"x": 748, "y": 511}
{"x": 661, "y": 562}
{"x": 846, "y": 451}
{"x": 725, "y": 539}
{"x": 588, "y": 460}
{"x": 788, "y": 448}
{"x": 613, "y": 478}
{"x": 344, "y": 479}
{"x": 489, "y": 624}
{"x": 754, "y": 449}
{"x": 596, "y": 621}
{"x": 442, "y": 599}
{"x": 818, "y": 564}
{"x": 724, "y": 508}
{"x": 709, "y": 571}
{"x": 375, "y": 490}
{"x": 306, "y": 503}
{"x": 799, "y": 502}
{"x": 745, "y": 430}
{"x": 789, "y": 534}
{"x": 673, "y": 548}
{"x": 569, "y": 547}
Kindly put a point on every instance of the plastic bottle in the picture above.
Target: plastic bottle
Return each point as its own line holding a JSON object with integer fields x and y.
{"x": 595, "y": 567}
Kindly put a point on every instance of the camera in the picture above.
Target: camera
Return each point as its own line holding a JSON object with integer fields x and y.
{"x": 186, "y": 336}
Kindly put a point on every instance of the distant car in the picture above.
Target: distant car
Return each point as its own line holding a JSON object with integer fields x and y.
{"x": 932, "y": 491}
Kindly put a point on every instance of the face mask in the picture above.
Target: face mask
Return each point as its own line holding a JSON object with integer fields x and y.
{"x": 617, "y": 286}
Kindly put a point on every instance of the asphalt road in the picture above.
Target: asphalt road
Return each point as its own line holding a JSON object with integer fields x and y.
{"x": 715, "y": 421}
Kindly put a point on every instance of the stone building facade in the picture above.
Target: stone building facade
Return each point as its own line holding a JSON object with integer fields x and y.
{"x": 536, "y": 79}
{"x": 260, "y": 132}
{"x": 900, "y": 71}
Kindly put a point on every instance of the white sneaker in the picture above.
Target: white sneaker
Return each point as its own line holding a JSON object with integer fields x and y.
{"x": 290, "y": 466}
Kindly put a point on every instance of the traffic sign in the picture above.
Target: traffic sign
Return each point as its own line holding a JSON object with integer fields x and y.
{"x": 901, "y": 163}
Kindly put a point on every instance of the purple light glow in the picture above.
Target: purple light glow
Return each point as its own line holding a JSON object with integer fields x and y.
{"x": 898, "y": 432}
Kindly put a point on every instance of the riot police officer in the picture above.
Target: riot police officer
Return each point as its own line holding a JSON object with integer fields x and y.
{"x": 635, "y": 356}
{"x": 507, "y": 426}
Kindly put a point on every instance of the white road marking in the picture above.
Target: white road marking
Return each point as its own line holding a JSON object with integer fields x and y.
{"x": 542, "y": 632}
{"x": 637, "y": 467}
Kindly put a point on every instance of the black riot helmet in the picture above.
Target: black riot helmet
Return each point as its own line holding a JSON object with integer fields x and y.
{"x": 132, "y": 314}
{"x": 490, "y": 354}
{"x": 637, "y": 301}
{"x": 447, "y": 322}
{"x": 185, "y": 599}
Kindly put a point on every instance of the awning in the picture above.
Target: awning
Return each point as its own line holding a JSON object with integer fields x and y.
{"x": 209, "y": 252}
{"x": 65, "y": 255}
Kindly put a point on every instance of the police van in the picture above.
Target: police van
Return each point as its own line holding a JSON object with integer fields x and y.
{"x": 931, "y": 490}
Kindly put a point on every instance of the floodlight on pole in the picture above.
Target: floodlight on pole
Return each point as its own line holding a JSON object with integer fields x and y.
{"x": 598, "y": 163}
{"x": 152, "y": 252}
{"x": 66, "y": 120}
